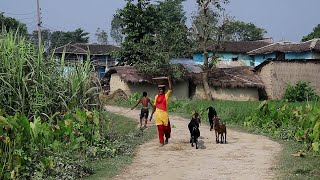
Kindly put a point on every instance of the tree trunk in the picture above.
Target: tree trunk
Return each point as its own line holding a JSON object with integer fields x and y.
{"x": 205, "y": 82}
{"x": 206, "y": 86}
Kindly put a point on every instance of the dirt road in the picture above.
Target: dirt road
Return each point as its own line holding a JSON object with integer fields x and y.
{"x": 246, "y": 156}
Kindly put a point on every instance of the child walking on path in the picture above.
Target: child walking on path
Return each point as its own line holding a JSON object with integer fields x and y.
{"x": 145, "y": 101}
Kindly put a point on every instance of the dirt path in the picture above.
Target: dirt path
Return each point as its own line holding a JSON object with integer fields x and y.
{"x": 246, "y": 156}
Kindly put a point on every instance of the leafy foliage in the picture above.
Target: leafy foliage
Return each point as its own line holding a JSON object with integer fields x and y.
{"x": 300, "y": 123}
{"x": 39, "y": 149}
{"x": 102, "y": 36}
{"x": 116, "y": 29}
{"x": 312, "y": 35}
{"x": 154, "y": 33}
{"x": 45, "y": 37}
{"x": 302, "y": 91}
{"x": 12, "y": 24}
{"x": 60, "y": 38}
{"x": 241, "y": 31}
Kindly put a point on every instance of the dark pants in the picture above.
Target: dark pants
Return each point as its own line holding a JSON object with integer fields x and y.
{"x": 144, "y": 113}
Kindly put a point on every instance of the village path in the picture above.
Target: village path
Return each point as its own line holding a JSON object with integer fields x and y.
{"x": 246, "y": 156}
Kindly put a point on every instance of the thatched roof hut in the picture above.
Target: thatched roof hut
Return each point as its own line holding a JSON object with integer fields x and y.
{"x": 234, "y": 77}
{"x": 236, "y": 83}
{"x": 311, "y": 45}
{"x": 129, "y": 74}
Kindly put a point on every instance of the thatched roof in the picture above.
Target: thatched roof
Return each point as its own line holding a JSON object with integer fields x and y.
{"x": 236, "y": 46}
{"x": 82, "y": 48}
{"x": 129, "y": 74}
{"x": 300, "y": 61}
{"x": 234, "y": 77}
{"x": 132, "y": 75}
{"x": 219, "y": 77}
{"x": 313, "y": 44}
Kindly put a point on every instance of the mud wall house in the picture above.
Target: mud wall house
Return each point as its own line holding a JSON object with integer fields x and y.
{"x": 128, "y": 79}
{"x": 235, "y": 83}
{"x": 276, "y": 74}
{"x": 99, "y": 54}
{"x": 287, "y": 50}
{"x": 231, "y": 53}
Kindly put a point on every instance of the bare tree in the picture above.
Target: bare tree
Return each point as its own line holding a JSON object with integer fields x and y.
{"x": 208, "y": 29}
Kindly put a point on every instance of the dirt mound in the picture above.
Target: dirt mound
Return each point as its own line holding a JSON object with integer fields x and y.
{"x": 118, "y": 95}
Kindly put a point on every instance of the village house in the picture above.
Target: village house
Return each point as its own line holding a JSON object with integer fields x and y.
{"x": 287, "y": 50}
{"x": 232, "y": 53}
{"x": 236, "y": 83}
{"x": 277, "y": 74}
{"x": 129, "y": 80}
{"x": 99, "y": 54}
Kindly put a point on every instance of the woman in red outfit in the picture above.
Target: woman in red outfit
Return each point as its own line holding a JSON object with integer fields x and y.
{"x": 161, "y": 110}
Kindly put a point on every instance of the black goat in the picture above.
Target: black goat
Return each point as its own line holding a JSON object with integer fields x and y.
{"x": 211, "y": 114}
{"x": 194, "y": 129}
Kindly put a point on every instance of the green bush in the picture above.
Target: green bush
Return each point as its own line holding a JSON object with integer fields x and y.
{"x": 302, "y": 91}
{"x": 288, "y": 122}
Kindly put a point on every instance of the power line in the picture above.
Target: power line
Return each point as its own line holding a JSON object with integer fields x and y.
{"x": 33, "y": 17}
{"x": 17, "y": 14}
{"x": 49, "y": 27}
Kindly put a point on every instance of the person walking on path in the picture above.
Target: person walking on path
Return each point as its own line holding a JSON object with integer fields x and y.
{"x": 161, "y": 110}
{"x": 145, "y": 101}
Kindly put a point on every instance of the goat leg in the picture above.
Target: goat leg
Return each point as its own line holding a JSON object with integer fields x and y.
{"x": 192, "y": 140}
{"x": 221, "y": 138}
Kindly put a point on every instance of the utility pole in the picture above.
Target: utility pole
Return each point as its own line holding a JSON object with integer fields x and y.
{"x": 39, "y": 24}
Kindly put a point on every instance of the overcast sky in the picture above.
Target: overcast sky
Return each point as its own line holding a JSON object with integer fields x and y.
{"x": 283, "y": 19}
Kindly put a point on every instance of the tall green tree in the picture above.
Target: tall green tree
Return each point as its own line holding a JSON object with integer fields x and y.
{"x": 116, "y": 29}
{"x": 172, "y": 33}
{"x": 102, "y": 36}
{"x": 138, "y": 22}
{"x": 60, "y": 38}
{"x": 242, "y": 31}
{"x": 45, "y": 36}
{"x": 314, "y": 34}
{"x": 12, "y": 24}
{"x": 153, "y": 33}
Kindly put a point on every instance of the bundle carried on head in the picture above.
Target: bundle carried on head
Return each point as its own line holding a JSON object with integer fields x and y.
{"x": 161, "y": 81}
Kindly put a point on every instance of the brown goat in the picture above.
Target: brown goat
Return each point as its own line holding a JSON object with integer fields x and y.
{"x": 220, "y": 129}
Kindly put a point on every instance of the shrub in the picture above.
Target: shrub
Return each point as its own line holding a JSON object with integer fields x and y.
{"x": 288, "y": 122}
{"x": 302, "y": 91}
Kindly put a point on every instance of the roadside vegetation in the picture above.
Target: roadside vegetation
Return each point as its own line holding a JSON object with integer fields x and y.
{"x": 52, "y": 123}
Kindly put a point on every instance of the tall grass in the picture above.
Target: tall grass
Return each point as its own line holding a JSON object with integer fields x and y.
{"x": 49, "y": 125}
{"x": 32, "y": 85}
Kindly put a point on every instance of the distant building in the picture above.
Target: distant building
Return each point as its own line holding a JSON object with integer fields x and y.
{"x": 232, "y": 53}
{"x": 277, "y": 74}
{"x": 99, "y": 54}
{"x": 287, "y": 50}
{"x": 236, "y": 83}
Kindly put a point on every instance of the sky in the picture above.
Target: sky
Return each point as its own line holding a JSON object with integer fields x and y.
{"x": 287, "y": 20}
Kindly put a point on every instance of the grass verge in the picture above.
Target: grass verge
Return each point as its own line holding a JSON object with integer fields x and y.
{"x": 122, "y": 128}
